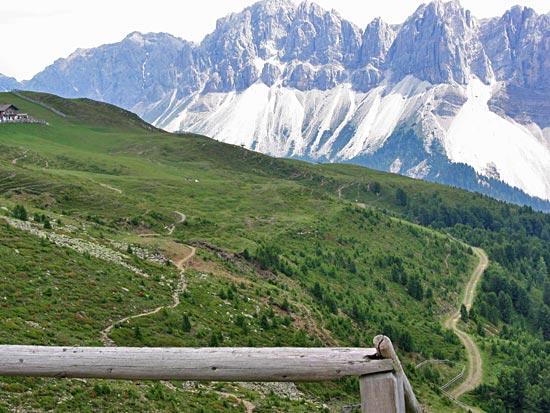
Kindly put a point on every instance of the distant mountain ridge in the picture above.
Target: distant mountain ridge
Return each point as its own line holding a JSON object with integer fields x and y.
{"x": 442, "y": 97}
{"x": 8, "y": 83}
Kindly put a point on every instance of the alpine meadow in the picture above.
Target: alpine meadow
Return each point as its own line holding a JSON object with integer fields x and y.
{"x": 116, "y": 233}
{"x": 292, "y": 215}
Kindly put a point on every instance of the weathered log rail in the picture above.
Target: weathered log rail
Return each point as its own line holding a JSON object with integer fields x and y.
{"x": 384, "y": 386}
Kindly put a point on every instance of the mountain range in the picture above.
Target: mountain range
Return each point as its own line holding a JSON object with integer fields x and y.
{"x": 443, "y": 97}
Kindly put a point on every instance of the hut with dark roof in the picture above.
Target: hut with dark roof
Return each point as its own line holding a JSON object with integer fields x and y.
{"x": 10, "y": 113}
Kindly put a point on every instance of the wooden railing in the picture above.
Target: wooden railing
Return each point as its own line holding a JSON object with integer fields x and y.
{"x": 383, "y": 384}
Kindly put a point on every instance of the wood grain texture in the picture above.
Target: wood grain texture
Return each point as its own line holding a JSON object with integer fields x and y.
{"x": 381, "y": 393}
{"x": 208, "y": 364}
{"x": 385, "y": 348}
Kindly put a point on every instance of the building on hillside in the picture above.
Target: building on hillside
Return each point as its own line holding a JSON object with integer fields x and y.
{"x": 10, "y": 113}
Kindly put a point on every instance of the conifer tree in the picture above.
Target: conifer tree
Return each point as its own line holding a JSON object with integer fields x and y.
{"x": 464, "y": 313}
{"x": 186, "y": 323}
{"x": 20, "y": 212}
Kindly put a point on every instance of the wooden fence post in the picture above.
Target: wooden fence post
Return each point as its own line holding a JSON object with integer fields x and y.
{"x": 385, "y": 349}
{"x": 381, "y": 392}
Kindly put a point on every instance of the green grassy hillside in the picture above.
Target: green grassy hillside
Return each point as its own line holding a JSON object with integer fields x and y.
{"x": 287, "y": 254}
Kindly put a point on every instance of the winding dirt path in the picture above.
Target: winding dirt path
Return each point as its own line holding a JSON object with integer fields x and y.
{"x": 182, "y": 285}
{"x": 341, "y": 188}
{"x": 171, "y": 228}
{"x": 183, "y": 217}
{"x": 311, "y": 325}
{"x": 247, "y": 405}
{"x": 14, "y": 161}
{"x": 112, "y": 188}
{"x": 475, "y": 363}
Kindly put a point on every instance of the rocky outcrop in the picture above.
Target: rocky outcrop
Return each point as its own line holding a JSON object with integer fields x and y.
{"x": 524, "y": 105}
{"x": 376, "y": 42}
{"x": 519, "y": 48}
{"x": 90, "y": 247}
{"x": 140, "y": 68}
{"x": 371, "y": 57}
{"x": 440, "y": 43}
{"x": 270, "y": 74}
{"x": 320, "y": 37}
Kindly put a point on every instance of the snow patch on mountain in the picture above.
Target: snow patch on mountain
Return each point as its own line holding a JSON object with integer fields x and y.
{"x": 495, "y": 145}
{"x": 265, "y": 119}
{"x": 342, "y": 124}
{"x": 383, "y": 109}
{"x": 420, "y": 171}
{"x": 329, "y": 111}
{"x": 395, "y": 167}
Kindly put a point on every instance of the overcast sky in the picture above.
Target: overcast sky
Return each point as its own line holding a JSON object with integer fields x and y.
{"x": 36, "y": 32}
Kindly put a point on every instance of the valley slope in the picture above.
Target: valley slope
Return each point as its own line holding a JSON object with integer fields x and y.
{"x": 287, "y": 253}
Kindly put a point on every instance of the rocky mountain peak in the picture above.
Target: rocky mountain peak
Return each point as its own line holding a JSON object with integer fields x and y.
{"x": 519, "y": 13}
{"x": 8, "y": 83}
{"x": 376, "y": 42}
{"x": 232, "y": 54}
{"x": 274, "y": 5}
{"x": 136, "y": 37}
{"x": 316, "y": 44}
{"x": 445, "y": 7}
{"x": 321, "y": 37}
{"x": 518, "y": 46}
{"x": 142, "y": 63}
{"x": 440, "y": 43}
{"x": 452, "y": 13}
{"x": 308, "y": 7}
